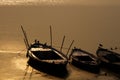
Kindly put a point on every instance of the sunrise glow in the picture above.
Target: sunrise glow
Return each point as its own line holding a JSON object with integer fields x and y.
{"x": 31, "y": 2}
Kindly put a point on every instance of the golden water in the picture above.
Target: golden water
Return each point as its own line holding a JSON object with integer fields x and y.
{"x": 87, "y": 23}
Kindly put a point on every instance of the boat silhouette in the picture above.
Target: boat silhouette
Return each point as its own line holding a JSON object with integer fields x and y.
{"x": 84, "y": 60}
{"x": 45, "y": 57}
{"x": 109, "y": 59}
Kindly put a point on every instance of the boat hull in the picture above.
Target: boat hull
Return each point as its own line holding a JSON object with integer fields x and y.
{"x": 47, "y": 59}
{"x": 88, "y": 67}
{"x": 84, "y": 60}
{"x": 111, "y": 66}
{"x": 58, "y": 70}
{"x": 45, "y": 65}
{"x": 109, "y": 59}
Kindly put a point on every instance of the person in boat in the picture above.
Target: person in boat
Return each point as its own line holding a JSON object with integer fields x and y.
{"x": 36, "y": 43}
{"x": 100, "y": 45}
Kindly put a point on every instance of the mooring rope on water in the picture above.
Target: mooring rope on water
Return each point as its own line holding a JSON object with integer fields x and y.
{"x": 31, "y": 74}
{"x": 26, "y": 72}
{"x": 20, "y": 52}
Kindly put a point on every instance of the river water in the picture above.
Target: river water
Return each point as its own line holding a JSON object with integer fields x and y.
{"x": 13, "y": 67}
{"x": 88, "y": 25}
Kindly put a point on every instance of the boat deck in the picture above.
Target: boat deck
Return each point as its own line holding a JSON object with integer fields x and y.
{"x": 84, "y": 58}
{"x": 46, "y": 55}
{"x": 112, "y": 58}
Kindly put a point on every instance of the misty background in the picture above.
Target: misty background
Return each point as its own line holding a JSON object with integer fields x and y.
{"x": 88, "y": 22}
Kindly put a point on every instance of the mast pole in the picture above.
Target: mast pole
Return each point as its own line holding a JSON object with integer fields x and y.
{"x": 51, "y": 35}
{"x": 62, "y": 43}
{"x": 25, "y": 35}
{"x": 70, "y": 47}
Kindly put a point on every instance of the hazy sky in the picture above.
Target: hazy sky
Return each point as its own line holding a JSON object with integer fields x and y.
{"x": 88, "y": 22}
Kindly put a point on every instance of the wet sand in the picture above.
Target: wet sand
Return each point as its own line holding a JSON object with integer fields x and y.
{"x": 13, "y": 67}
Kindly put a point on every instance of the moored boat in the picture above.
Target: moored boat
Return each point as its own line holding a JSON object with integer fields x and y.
{"x": 109, "y": 59}
{"x": 84, "y": 60}
{"x": 44, "y": 57}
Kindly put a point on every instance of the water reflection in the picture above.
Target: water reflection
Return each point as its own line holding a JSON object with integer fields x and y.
{"x": 32, "y": 2}
{"x": 14, "y": 65}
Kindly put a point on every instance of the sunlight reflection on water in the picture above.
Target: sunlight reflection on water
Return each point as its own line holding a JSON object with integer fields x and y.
{"x": 32, "y": 2}
{"x": 19, "y": 63}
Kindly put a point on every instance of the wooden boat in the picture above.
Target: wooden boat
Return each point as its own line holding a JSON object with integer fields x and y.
{"x": 44, "y": 57}
{"x": 84, "y": 60}
{"x": 109, "y": 58}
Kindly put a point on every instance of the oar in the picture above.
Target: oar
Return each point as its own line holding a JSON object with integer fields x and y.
{"x": 70, "y": 47}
